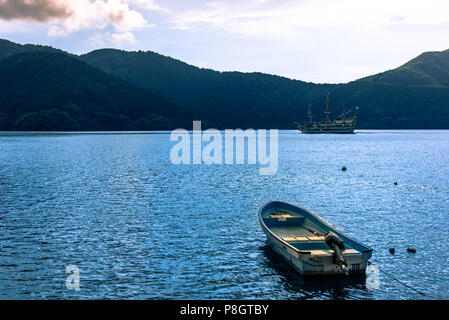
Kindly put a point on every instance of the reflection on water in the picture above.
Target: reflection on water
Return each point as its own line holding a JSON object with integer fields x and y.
{"x": 138, "y": 226}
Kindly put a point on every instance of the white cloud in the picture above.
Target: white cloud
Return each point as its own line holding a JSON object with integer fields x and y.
{"x": 97, "y": 40}
{"x": 67, "y": 16}
{"x": 117, "y": 39}
{"x": 145, "y": 4}
{"x": 120, "y": 38}
{"x": 98, "y": 15}
{"x": 314, "y": 40}
{"x": 283, "y": 18}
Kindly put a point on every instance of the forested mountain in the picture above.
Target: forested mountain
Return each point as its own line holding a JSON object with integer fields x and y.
{"x": 8, "y": 48}
{"x": 412, "y": 96}
{"x": 226, "y": 99}
{"x": 430, "y": 69}
{"x": 48, "y": 89}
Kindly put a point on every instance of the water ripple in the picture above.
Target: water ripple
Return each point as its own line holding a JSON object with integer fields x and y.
{"x": 139, "y": 227}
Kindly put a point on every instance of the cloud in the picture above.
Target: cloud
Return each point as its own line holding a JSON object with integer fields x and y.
{"x": 37, "y": 10}
{"x": 313, "y": 40}
{"x": 67, "y": 16}
{"x": 146, "y": 5}
{"x": 98, "y": 15}
{"x": 118, "y": 39}
{"x": 285, "y": 18}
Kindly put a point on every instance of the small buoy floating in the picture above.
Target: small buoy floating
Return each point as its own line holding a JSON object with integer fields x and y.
{"x": 391, "y": 250}
{"x": 412, "y": 250}
{"x": 395, "y": 183}
{"x": 343, "y": 168}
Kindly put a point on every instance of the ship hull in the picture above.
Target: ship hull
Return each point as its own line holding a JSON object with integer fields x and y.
{"x": 318, "y": 130}
{"x": 351, "y": 131}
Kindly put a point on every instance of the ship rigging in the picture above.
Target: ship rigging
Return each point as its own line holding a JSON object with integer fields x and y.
{"x": 342, "y": 124}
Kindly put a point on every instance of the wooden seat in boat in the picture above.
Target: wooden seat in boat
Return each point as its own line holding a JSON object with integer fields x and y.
{"x": 320, "y": 252}
{"x": 317, "y": 238}
{"x": 347, "y": 251}
{"x": 299, "y": 239}
{"x": 295, "y": 239}
{"x": 280, "y": 215}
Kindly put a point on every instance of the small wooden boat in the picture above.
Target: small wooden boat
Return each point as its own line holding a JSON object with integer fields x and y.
{"x": 310, "y": 245}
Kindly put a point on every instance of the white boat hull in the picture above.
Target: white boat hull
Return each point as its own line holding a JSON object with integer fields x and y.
{"x": 317, "y": 262}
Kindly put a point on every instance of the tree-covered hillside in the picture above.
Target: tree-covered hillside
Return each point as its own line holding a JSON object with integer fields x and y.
{"x": 394, "y": 99}
{"x": 226, "y": 99}
{"x": 47, "y": 89}
{"x": 430, "y": 69}
{"x": 55, "y": 91}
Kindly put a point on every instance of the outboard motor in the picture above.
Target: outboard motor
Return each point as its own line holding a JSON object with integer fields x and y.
{"x": 336, "y": 244}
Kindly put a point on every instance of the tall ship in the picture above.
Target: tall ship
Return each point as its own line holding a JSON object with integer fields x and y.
{"x": 342, "y": 124}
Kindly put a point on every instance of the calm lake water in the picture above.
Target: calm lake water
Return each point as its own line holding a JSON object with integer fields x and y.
{"x": 139, "y": 227}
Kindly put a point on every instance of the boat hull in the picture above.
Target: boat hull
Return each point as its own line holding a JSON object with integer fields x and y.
{"x": 327, "y": 131}
{"x": 306, "y": 262}
{"x": 324, "y": 130}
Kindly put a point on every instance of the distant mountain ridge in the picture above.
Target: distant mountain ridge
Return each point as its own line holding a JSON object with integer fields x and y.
{"x": 50, "y": 90}
{"x": 225, "y": 99}
{"x": 8, "y": 48}
{"x": 430, "y": 69}
{"x": 393, "y": 99}
{"x": 169, "y": 93}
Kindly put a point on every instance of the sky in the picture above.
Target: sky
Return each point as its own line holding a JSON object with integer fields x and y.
{"x": 322, "y": 41}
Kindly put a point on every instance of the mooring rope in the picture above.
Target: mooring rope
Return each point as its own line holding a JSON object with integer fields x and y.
{"x": 408, "y": 286}
{"x": 404, "y": 284}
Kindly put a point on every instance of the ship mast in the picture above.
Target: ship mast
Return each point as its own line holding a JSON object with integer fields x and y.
{"x": 344, "y": 111}
{"x": 328, "y": 111}
{"x": 309, "y": 114}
